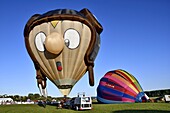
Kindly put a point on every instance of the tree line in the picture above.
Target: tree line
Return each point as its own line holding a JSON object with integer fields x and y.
{"x": 158, "y": 93}
{"x": 36, "y": 96}
{"x": 30, "y": 97}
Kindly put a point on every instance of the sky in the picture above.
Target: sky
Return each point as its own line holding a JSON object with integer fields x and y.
{"x": 135, "y": 38}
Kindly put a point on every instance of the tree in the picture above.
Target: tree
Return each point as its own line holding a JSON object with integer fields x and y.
{"x": 24, "y": 98}
{"x": 16, "y": 97}
{"x": 31, "y": 96}
{"x": 36, "y": 96}
{"x": 49, "y": 98}
{"x": 11, "y": 96}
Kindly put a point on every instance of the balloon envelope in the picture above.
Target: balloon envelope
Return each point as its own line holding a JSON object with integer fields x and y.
{"x": 119, "y": 86}
{"x": 63, "y": 45}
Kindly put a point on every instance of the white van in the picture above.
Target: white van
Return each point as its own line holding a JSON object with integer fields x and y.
{"x": 81, "y": 103}
{"x": 167, "y": 98}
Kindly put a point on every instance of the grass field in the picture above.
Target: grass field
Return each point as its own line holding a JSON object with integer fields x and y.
{"x": 97, "y": 108}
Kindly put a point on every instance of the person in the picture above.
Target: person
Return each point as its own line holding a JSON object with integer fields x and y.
{"x": 59, "y": 105}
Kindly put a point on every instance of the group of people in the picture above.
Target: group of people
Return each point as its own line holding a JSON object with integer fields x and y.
{"x": 61, "y": 103}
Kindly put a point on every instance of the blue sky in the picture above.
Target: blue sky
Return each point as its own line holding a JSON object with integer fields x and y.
{"x": 136, "y": 38}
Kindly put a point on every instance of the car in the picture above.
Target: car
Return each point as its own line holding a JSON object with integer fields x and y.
{"x": 67, "y": 104}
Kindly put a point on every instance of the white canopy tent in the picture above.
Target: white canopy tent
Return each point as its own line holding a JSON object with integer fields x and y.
{"x": 6, "y": 100}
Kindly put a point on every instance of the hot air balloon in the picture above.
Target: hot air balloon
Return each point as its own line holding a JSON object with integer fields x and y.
{"x": 119, "y": 86}
{"x": 63, "y": 45}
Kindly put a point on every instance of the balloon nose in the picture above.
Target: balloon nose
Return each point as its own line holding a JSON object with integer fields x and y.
{"x": 54, "y": 43}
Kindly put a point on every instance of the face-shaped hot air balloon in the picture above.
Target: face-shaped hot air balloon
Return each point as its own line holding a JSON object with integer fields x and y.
{"x": 119, "y": 86}
{"x": 63, "y": 45}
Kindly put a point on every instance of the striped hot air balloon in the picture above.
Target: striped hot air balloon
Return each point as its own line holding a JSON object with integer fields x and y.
{"x": 63, "y": 45}
{"x": 119, "y": 86}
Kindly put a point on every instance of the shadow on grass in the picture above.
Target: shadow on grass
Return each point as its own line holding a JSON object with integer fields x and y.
{"x": 96, "y": 103}
{"x": 141, "y": 111}
{"x": 42, "y": 105}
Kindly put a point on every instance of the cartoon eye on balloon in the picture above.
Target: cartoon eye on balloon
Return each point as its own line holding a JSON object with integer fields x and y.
{"x": 63, "y": 45}
{"x": 39, "y": 41}
{"x": 119, "y": 86}
{"x": 72, "y": 38}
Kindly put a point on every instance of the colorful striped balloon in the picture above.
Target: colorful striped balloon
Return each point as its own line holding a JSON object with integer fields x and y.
{"x": 119, "y": 86}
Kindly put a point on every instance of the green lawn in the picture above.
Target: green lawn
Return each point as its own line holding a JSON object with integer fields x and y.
{"x": 97, "y": 108}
